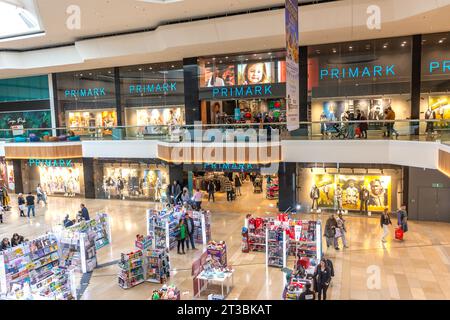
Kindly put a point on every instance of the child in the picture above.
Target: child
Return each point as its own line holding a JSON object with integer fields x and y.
{"x": 255, "y": 73}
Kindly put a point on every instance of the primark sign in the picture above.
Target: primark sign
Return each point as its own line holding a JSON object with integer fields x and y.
{"x": 358, "y": 72}
{"x": 61, "y": 163}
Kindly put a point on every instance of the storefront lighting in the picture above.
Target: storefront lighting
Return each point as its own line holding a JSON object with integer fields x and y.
{"x": 298, "y": 207}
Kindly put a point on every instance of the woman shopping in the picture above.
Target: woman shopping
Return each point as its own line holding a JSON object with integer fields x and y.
{"x": 322, "y": 278}
{"x": 181, "y": 237}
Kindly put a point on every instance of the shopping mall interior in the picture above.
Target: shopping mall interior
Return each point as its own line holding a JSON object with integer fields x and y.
{"x": 304, "y": 157}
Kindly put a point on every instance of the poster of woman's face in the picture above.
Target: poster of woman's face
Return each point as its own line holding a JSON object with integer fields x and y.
{"x": 219, "y": 76}
{"x": 256, "y": 73}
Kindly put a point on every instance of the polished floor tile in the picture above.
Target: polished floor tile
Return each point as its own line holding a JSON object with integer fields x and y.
{"x": 417, "y": 268}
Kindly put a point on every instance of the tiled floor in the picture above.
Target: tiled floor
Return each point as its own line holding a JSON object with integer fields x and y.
{"x": 418, "y": 268}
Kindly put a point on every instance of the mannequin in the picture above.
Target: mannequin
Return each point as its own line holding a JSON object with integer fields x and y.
{"x": 430, "y": 115}
{"x": 338, "y": 195}
{"x": 314, "y": 195}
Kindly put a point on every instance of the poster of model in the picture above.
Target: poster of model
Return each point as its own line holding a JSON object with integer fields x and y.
{"x": 326, "y": 185}
{"x": 379, "y": 192}
{"x": 292, "y": 65}
{"x": 440, "y": 105}
{"x": 351, "y": 186}
{"x": 218, "y": 76}
{"x": 256, "y": 73}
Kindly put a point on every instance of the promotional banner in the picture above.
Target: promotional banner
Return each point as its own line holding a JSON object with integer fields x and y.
{"x": 292, "y": 65}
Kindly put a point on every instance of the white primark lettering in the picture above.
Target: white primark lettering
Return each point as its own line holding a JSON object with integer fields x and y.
{"x": 202, "y": 311}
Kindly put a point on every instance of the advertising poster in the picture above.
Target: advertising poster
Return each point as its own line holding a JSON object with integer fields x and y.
{"x": 218, "y": 76}
{"x": 19, "y": 120}
{"x": 379, "y": 192}
{"x": 440, "y": 105}
{"x": 326, "y": 185}
{"x": 292, "y": 65}
{"x": 256, "y": 73}
{"x": 351, "y": 186}
{"x": 333, "y": 109}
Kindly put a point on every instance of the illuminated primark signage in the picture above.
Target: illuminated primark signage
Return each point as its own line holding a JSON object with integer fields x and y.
{"x": 146, "y": 88}
{"x": 242, "y": 91}
{"x": 229, "y": 166}
{"x": 81, "y": 93}
{"x": 357, "y": 72}
{"x": 440, "y": 66}
{"x": 62, "y": 163}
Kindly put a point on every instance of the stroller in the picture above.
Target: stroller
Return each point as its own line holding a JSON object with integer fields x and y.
{"x": 257, "y": 186}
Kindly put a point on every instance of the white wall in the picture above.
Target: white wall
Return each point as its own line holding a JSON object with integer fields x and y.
{"x": 407, "y": 153}
{"x": 126, "y": 149}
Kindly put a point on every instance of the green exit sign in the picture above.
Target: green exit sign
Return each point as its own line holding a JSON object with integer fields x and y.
{"x": 438, "y": 185}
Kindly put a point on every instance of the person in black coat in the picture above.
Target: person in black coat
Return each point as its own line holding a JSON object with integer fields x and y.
{"x": 174, "y": 192}
{"x": 322, "y": 278}
{"x": 308, "y": 294}
{"x": 84, "y": 213}
{"x": 211, "y": 188}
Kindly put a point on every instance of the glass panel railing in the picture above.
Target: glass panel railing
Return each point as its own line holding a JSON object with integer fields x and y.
{"x": 418, "y": 130}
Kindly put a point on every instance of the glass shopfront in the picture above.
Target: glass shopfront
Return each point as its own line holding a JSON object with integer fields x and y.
{"x": 341, "y": 188}
{"x": 7, "y": 175}
{"x": 58, "y": 177}
{"x": 435, "y": 82}
{"x": 369, "y": 76}
{"x": 153, "y": 97}
{"x": 87, "y": 99}
{"x": 131, "y": 180}
{"x": 243, "y": 88}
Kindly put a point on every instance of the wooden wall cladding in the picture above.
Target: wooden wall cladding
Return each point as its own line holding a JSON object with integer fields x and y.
{"x": 185, "y": 153}
{"x": 444, "y": 162}
{"x": 44, "y": 151}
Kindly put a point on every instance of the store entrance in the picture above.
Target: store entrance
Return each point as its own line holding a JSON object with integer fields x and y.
{"x": 243, "y": 111}
{"x": 249, "y": 189}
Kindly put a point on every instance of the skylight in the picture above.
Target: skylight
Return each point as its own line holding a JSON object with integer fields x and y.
{"x": 16, "y": 20}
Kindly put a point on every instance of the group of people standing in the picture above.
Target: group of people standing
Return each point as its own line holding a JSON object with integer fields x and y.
{"x": 335, "y": 229}
{"x": 185, "y": 229}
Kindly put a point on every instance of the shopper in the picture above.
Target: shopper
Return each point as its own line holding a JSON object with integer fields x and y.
{"x": 181, "y": 237}
{"x": 84, "y": 213}
{"x": 198, "y": 196}
{"x": 67, "y": 222}
{"x": 2, "y": 196}
{"x": 314, "y": 194}
{"x": 190, "y": 228}
{"x": 322, "y": 278}
{"x": 351, "y": 125}
{"x": 21, "y": 204}
{"x": 385, "y": 221}
{"x": 338, "y": 195}
{"x": 238, "y": 184}
{"x": 1, "y": 214}
{"x": 343, "y": 230}
{"x": 211, "y": 188}
{"x": 174, "y": 192}
{"x": 402, "y": 218}
{"x": 16, "y": 239}
{"x": 185, "y": 196}
{"x": 330, "y": 232}
{"x": 228, "y": 189}
{"x": 30, "y": 204}
{"x": 364, "y": 196}
{"x": 363, "y": 125}
{"x": 5, "y": 244}
{"x": 308, "y": 294}
{"x": 390, "y": 116}
{"x": 40, "y": 195}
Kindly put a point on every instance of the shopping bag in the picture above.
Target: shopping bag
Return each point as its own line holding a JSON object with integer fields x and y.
{"x": 338, "y": 233}
{"x": 399, "y": 233}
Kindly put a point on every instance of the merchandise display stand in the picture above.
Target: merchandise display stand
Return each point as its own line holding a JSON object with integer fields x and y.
{"x": 212, "y": 268}
{"x": 276, "y": 246}
{"x": 30, "y": 271}
{"x": 132, "y": 270}
{"x": 101, "y": 224}
{"x": 272, "y": 189}
{"x": 157, "y": 265}
{"x": 257, "y": 233}
{"x": 77, "y": 248}
{"x": 305, "y": 239}
{"x": 161, "y": 225}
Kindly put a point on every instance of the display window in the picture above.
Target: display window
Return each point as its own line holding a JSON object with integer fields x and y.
{"x": 55, "y": 181}
{"x": 84, "y": 122}
{"x": 153, "y": 119}
{"x": 132, "y": 181}
{"x": 350, "y": 192}
{"x": 7, "y": 175}
{"x": 87, "y": 98}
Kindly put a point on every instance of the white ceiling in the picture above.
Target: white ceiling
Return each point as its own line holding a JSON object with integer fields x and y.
{"x": 99, "y": 17}
{"x": 323, "y": 23}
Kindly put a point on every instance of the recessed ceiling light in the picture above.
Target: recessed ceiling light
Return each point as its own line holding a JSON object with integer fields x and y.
{"x": 81, "y": 74}
{"x": 220, "y": 61}
{"x": 173, "y": 66}
{"x": 140, "y": 69}
{"x": 226, "y": 57}
{"x": 90, "y": 73}
{"x": 403, "y": 44}
{"x": 270, "y": 53}
{"x": 350, "y": 48}
{"x": 334, "y": 50}
{"x": 254, "y": 54}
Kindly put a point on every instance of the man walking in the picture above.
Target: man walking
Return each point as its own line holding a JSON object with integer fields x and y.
{"x": 40, "y": 195}
{"x": 211, "y": 188}
{"x": 30, "y": 204}
{"x": 364, "y": 196}
{"x": 190, "y": 231}
{"x": 229, "y": 189}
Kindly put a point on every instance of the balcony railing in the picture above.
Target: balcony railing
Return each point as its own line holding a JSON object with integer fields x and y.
{"x": 417, "y": 130}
